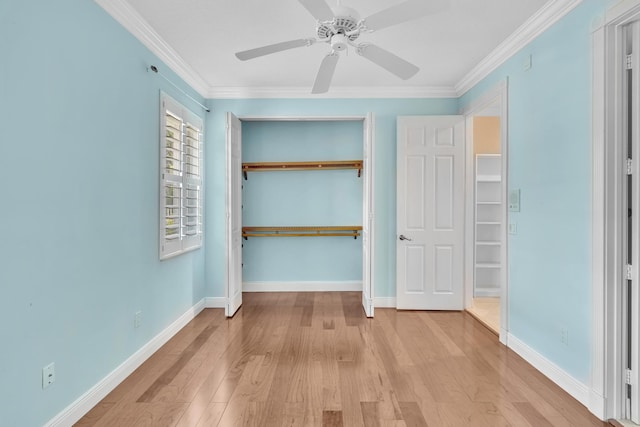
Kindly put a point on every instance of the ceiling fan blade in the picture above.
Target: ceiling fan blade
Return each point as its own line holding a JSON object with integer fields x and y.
{"x": 408, "y": 10}
{"x": 319, "y": 9}
{"x": 388, "y": 61}
{"x": 273, "y": 48}
{"x": 325, "y": 73}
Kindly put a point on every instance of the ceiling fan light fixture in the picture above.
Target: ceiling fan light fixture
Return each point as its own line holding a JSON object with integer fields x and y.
{"x": 339, "y": 42}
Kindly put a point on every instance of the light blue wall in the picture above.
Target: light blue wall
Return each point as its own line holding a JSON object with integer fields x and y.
{"x": 79, "y": 221}
{"x": 550, "y": 162}
{"x": 328, "y": 197}
{"x": 79, "y": 224}
{"x": 385, "y": 111}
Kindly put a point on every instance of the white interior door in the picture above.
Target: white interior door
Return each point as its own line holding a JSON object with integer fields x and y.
{"x": 234, "y": 215}
{"x": 367, "y": 216}
{"x": 430, "y": 213}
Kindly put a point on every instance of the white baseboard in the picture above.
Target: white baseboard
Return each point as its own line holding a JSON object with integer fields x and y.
{"x": 385, "y": 302}
{"x": 575, "y": 388}
{"x": 597, "y": 404}
{"x": 215, "y": 302}
{"x": 349, "y": 285}
{"x": 72, "y": 413}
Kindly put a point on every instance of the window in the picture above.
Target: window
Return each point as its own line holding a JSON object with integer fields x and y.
{"x": 181, "y": 196}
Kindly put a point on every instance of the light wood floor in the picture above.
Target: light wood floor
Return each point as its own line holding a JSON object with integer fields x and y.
{"x": 487, "y": 311}
{"x": 313, "y": 359}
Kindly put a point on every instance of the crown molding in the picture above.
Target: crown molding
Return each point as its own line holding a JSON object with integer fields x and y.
{"x": 548, "y": 15}
{"x": 133, "y": 22}
{"x": 335, "y": 92}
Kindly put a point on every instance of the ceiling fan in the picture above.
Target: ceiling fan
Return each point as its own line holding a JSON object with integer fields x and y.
{"x": 341, "y": 26}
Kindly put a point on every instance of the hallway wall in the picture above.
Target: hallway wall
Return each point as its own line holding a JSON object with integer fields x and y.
{"x": 549, "y": 259}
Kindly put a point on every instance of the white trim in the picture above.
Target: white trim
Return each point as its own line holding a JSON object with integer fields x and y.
{"x": 384, "y": 302}
{"x": 598, "y": 294}
{"x": 133, "y": 22}
{"x": 215, "y": 302}
{"x": 548, "y": 15}
{"x": 302, "y": 118}
{"x": 336, "y": 92}
{"x": 575, "y": 388}
{"x": 341, "y": 286}
{"x": 499, "y": 94}
{"x": 72, "y": 413}
{"x": 607, "y": 398}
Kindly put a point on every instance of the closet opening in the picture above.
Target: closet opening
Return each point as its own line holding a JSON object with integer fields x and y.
{"x": 491, "y": 213}
{"x": 299, "y": 199}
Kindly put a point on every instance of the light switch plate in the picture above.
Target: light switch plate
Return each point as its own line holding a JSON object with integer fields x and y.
{"x": 48, "y": 375}
{"x": 514, "y": 201}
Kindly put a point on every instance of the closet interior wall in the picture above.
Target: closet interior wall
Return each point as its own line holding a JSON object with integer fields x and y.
{"x": 297, "y": 198}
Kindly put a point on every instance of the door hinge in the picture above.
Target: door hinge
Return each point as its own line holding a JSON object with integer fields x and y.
{"x": 629, "y": 62}
{"x": 627, "y": 376}
{"x": 629, "y": 166}
{"x": 629, "y": 271}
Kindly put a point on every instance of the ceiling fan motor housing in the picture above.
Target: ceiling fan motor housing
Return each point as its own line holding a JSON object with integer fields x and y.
{"x": 344, "y": 24}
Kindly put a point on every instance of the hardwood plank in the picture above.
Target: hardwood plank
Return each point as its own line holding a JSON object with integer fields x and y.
{"x": 94, "y": 415}
{"x": 161, "y": 414}
{"x": 187, "y": 354}
{"x": 534, "y": 417}
{"x": 331, "y": 418}
{"x": 411, "y": 414}
{"x": 313, "y": 359}
{"x": 212, "y": 414}
{"x": 370, "y": 415}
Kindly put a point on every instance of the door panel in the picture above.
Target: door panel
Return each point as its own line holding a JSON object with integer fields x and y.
{"x": 632, "y": 242}
{"x": 234, "y": 215}
{"x": 367, "y": 217}
{"x": 443, "y": 192}
{"x": 430, "y": 212}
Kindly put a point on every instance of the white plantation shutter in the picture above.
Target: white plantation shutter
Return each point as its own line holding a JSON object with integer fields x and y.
{"x": 181, "y": 195}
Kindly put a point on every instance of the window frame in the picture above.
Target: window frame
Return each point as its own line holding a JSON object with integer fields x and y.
{"x": 185, "y": 178}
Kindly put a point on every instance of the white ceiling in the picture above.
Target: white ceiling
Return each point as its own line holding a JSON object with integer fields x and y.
{"x": 446, "y": 46}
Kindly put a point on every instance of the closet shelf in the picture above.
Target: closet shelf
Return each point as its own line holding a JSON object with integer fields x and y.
{"x": 298, "y": 166}
{"x": 302, "y": 231}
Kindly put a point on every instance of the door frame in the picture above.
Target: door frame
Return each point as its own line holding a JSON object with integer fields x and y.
{"x": 368, "y": 218}
{"x": 606, "y": 398}
{"x": 496, "y": 95}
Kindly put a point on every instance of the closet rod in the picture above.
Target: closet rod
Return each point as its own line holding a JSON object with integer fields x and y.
{"x": 302, "y": 231}
{"x": 297, "y": 166}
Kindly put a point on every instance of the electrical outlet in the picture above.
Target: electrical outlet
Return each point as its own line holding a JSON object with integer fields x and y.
{"x": 48, "y": 375}
{"x": 513, "y": 228}
{"x": 137, "y": 319}
{"x": 564, "y": 336}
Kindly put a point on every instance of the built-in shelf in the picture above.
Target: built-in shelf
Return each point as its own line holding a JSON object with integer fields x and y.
{"x": 488, "y": 265}
{"x": 303, "y": 231}
{"x": 298, "y": 166}
{"x": 488, "y": 178}
{"x": 489, "y": 222}
{"x": 487, "y": 243}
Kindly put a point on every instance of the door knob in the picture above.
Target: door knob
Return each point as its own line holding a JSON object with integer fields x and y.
{"x": 403, "y": 237}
